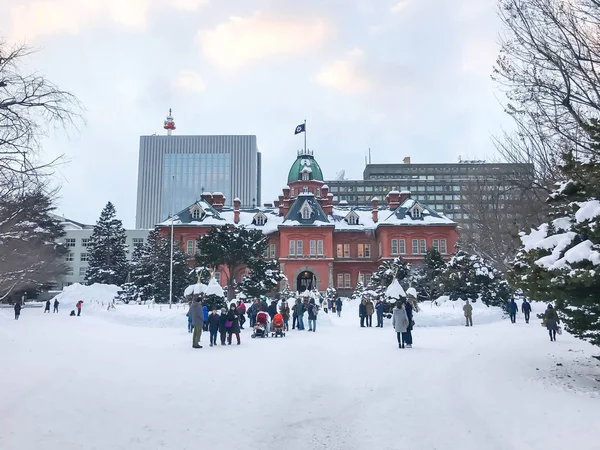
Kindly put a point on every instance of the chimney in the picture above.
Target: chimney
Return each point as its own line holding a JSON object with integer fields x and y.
{"x": 218, "y": 200}
{"x": 374, "y": 209}
{"x": 404, "y": 195}
{"x": 324, "y": 191}
{"x": 406, "y": 160}
{"x": 207, "y": 197}
{"x": 286, "y": 193}
{"x": 393, "y": 199}
{"x": 236, "y": 210}
{"x": 268, "y": 205}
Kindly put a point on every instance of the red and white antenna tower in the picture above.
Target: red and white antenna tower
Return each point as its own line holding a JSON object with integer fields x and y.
{"x": 169, "y": 124}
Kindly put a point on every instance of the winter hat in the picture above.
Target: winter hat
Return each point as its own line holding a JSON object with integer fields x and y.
{"x": 224, "y": 310}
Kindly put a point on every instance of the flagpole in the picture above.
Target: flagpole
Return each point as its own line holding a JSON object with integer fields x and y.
{"x": 305, "y": 136}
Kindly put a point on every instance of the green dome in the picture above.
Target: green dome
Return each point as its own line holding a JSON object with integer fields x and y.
{"x": 305, "y": 163}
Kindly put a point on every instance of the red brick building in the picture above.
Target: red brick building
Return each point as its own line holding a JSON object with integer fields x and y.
{"x": 319, "y": 244}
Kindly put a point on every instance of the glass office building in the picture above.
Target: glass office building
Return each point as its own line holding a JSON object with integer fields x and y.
{"x": 175, "y": 170}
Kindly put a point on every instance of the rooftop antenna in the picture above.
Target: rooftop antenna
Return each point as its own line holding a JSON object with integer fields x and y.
{"x": 169, "y": 124}
{"x": 369, "y": 155}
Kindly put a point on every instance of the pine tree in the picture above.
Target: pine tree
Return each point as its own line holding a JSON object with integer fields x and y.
{"x": 107, "y": 250}
{"x": 331, "y": 293}
{"x": 359, "y": 291}
{"x": 232, "y": 248}
{"x": 472, "y": 277}
{"x": 560, "y": 260}
{"x": 263, "y": 277}
{"x": 162, "y": 274}
{"x": 385, "y": 274}
{"x": 427, "y": 277}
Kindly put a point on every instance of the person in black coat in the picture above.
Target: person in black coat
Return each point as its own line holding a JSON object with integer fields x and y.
{"x": 408, "y": 340}
{"x": 17, "y": 310}
{"x": 47, "y": 308}
{"x": 273, "y": 309}
{"x": 222, "y": 327}
{"x": 213, "y": 326}
{"x": 55, "y": 306}
{"x": 362, "y": 312}
{"x": 526, "y": 309}
{"x": 234, "y": 322}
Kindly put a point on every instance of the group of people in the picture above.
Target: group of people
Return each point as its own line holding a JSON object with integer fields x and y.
{"x": 223, "y": 324}
{"x": 19, "y": 306}
{"x": 47, "y": 308}
{"x": 367, "y": 308}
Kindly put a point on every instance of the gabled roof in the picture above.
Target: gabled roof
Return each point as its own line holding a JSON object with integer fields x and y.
{"x": 306, "y": 200}
{"x": 401, "y": 215}
{"x": 210, "y": 217}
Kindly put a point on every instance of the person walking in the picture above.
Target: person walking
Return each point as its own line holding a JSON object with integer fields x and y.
{"x": 56, "y": 303}
{"x": 205, "y": 315}
{"x": 362, "y": 312}
{"x": 223, "y": 325}
{"x": 294, "y": 315}
{"x": 468, "y": 310}
{"x": 233, "y": 324}
{"x": 47, "y": 308}
{"x": 273, "y": 309}
{"x": 326, "y": 306}
{"x": 189, "y": 316}
{"x": 300, "y": 312}
{"x": 513, "y": 308}
{"x": 409, "y": 314}
{"x": 197, "y": 315}
{"x": 313, "y": 311}
{"x": 400, "y": 322}
{"x": 338, "y": 306}
{"x": 242, "y": 313}
{"x": 285, "y": 313}
{"x": 17, "y": 310}
{"x": 370, "y": 308}
{"x": 551, "y": 320}
{"x": 252, "y": 313}
{"x": 78, "y": 306}
{"x": 379, "y": 310}
{"x": 213, "y": 326}
{"x": 526, "y": 309}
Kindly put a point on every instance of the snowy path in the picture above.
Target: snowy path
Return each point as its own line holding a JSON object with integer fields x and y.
{"x": 86, "y": 383}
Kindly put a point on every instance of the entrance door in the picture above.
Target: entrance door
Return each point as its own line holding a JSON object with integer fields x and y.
{"x": 305, "y": 281}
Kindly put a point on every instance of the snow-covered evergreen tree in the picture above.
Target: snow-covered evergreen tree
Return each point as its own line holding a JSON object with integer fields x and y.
{"x": 107, "y": 250}
{"x": 385, "y": 274}
{"x": 560, "y": 260}
{"x": 472, "y": 277}
{"x": 331, "y": 293}
{"x": 161, "y": 278}
{"x": 359, "y": 291}
{"x": 427, "y": 278}
{"x": 263, "y": 277}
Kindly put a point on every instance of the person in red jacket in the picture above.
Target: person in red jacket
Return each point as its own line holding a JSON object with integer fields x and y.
{"x": 78, "y": 305}
{"x": 241, "y": 308}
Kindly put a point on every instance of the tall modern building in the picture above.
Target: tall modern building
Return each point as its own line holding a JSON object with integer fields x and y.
{"x": 442, "y": 186}
{"x": 174, "y": 171}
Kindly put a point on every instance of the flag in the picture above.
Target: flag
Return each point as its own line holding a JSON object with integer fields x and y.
{"x": 301, "y": 128}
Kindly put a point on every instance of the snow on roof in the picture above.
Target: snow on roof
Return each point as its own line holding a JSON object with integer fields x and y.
{"x": 405, "y": 192}
{"x": 206, "y": 193}
{"x": 375, "y": 199}
{"x": 394, "y": 192}
{"x": 217, "y": 193}
{"x": 324, "y": 187}
{"x": 237, "y": 199}
{"x": 343, "y": 203}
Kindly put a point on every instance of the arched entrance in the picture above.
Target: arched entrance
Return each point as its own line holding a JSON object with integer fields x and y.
{"x": 306, "y": 281}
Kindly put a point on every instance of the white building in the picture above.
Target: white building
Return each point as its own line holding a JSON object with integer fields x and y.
{"x": 77, "y": 239}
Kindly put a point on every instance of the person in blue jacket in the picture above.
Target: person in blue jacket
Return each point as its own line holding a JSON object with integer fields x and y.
{"x": 205, "y": 312}
{"x": 190, "y": 324}
{"x": 526, "y": 309}
{"x": 512, "y": 310}
{"x": 338, "y": 306}
{"x": 379, "y": 311}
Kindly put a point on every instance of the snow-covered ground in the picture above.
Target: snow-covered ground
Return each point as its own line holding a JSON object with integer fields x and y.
{"x": 97, "y": 382}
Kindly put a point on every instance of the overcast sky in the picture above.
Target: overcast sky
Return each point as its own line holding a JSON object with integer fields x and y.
{"x": 408, "y": 78}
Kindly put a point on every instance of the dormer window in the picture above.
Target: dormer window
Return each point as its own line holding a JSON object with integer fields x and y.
{"x": 305, "y": 176}
{"x": 352, "y": 218}
{"x": 197, "y": 212}
{"x": 306, "y": 211}
{"x": 260, "y": 219}
{"x": 305, "y": 189}
{"x": 416, "y": 212}
{"x": 293, "y": 192}
{"x": 318, "y": 192}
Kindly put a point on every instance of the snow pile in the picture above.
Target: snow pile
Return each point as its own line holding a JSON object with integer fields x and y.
{"x": 395, "y": 291}
{"x": 195, "y": 289}
{"x": 449, "y": 313}
{"x": 214, "y": 288}
{"x": 94, "y": 295}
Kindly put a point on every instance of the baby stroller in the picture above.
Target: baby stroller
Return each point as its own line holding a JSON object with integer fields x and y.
{"x": 260, "y": 328}
{"x": 278, "y": 326}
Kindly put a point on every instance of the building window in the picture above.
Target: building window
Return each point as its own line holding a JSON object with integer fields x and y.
{"x": 415, "y": 213}
{"x": 85, "y": 242}
{"x": 318, "y": 192}
{"x": 305, "y": 189}
{"x": 293, "y": 192}
{"x": 69, "y": 271}
{"x": 340, "y": 280}
{"x": 137, "y": 242}
{"x": 272, "y": 249}
{"x": 368, "y": 277}
{"x": 305, "y": 176}
{"x": 300, "y": 247}
{"x": 70, "y": 242}
{"x": 394, "y": 246}
{"x": 265, "y": 253}
{"x": 196, "y": 214}
{"x": 292, "y": 247}
{"x": 313, "y": 248}
{"x": 306, "y": 210}
{"x": 260, "y": 220}
{"x": 190, "y": 247}
{"x": 364, "y": 250}
{"x": 402, "y": 245}
{"x": 443, "y": 247}
{"x": 436, "y": 245}
{"x": 82, "y": 271}
{"x": 347, "y": 283}
{"x": 319, "y": 247}
{"x": 415, "y": 247}
{"x": 352, "y": 218}
{"x": 69, "y": 257}
{"x": 423, "y": 246}
{"x": 343, "y": 250}
{"x": 84, "y": 257}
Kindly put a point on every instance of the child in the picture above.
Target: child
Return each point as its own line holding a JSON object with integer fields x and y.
{"x": 213, "y": 326}
{"x": 190, "y": 325}
{"x": 222, "y": 327}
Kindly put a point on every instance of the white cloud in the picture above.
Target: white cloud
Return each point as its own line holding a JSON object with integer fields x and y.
{"x": 345, "y": 74}
{"x": 189, "y": 81}
{"x": 479, "y": 57}
{"x": 240, "y": 40}
{"x": 399, "y": 7}
{"x": 36, "y": 18}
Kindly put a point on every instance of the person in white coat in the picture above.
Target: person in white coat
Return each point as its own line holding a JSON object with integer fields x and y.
{"x": 400, "y": 322}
